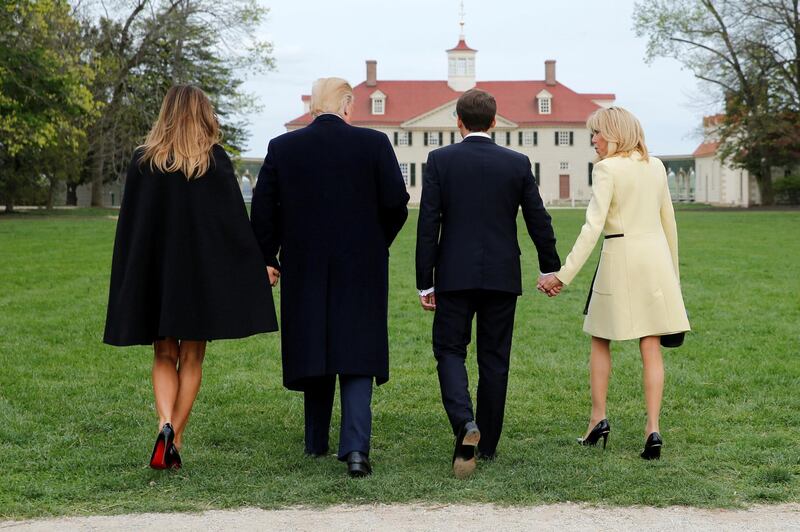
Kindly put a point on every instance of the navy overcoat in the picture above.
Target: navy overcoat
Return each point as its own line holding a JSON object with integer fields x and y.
{"x": 328, "y": 203}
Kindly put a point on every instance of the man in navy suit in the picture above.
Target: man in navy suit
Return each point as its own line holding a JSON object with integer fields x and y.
{"x": 331, "y": 199}
{"x": 468, "y": 265}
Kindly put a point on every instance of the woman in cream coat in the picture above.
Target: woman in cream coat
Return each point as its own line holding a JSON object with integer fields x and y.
{"x": 636, "y": 291}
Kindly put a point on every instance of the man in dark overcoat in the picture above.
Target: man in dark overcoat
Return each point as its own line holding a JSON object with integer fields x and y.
{"x": 328, "y": 203}
{"x": 468, "y": 265}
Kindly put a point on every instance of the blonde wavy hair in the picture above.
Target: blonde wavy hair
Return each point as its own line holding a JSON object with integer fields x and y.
{"x": 184, "y": 133}
{"x": 330, "y": 95}
{"x": 621, "y": 129}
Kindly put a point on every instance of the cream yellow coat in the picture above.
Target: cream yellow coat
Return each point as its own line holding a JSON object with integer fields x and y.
{"x": 637, "y": 290}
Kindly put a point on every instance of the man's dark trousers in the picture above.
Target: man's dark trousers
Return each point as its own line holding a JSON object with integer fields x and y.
{"x": 356, "y": 426}
{"x": 452, "y": 328}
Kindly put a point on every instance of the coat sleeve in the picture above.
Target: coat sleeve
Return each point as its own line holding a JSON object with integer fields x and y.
{"x": 392, "y": 195}
{"x": 669, "y": 225}
{"x": 265, "y": 215}
{"x": 596, "y": 212}
{"x": 429, "y": 224}
{"x": 539, "y": 223}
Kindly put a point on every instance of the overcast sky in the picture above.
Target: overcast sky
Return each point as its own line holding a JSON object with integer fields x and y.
{"x": 593, "y": 43}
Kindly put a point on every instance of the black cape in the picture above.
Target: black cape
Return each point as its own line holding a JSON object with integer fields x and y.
{"x": 186, "y": 263}
{"x": 329, "y": 201}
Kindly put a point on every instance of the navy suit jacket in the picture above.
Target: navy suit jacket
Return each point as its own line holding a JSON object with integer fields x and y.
{"x": 467, "y": 231}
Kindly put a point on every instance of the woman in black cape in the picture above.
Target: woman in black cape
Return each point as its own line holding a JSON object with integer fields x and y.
{"x": 186, "y": 268}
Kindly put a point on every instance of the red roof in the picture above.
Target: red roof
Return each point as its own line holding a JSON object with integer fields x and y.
{"x": 516, "y": 101}
{"x": 462, "y": 46}
{"x": 706, "y": 149}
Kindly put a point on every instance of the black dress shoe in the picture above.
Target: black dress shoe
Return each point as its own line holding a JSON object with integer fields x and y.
{"x": 316, "y": 454}
{"x": 652, "y": 447}
{"x": 358, "y": 465}
{"x": 601, "y": 430}
{"x": 464, "y": 452}
{"x": 487, "y": 457}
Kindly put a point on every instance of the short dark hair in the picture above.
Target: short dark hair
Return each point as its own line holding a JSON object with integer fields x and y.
{"x": 476, "y": 108}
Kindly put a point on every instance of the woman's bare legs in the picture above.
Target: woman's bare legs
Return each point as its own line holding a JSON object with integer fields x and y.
{"x": 653, "y": 379}
{"x": 190, "y": 373}
{"x": 599, "y": 375}
{"x": 165, "y": 378}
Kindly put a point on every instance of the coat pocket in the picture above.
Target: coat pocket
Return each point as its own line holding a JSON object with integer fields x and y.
{"x": 603, "y": 283}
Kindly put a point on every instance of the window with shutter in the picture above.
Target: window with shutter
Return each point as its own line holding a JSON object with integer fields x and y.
{"x": 433, "y": 139}
{"x": 563, "y": 138}
{"x": 402, "y": 138}
{"x": 405, "y": 172}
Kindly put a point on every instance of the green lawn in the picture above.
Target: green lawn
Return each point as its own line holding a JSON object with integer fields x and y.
{"x": 77, "y": 420}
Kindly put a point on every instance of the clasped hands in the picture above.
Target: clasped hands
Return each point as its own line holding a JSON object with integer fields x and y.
{"x": 274, "y": 274}
{"x": 549, "y": 284}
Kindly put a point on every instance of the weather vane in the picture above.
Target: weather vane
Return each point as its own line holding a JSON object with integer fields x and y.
{"x": 461, "y": 15}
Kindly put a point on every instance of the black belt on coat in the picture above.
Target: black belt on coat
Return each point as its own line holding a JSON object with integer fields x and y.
{"x": 591, "y": 286}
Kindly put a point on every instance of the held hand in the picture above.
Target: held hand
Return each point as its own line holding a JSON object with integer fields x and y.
{"x": 429, "y": 301}
{"x": 550, "y": 285}
{"x": 274, "y": 274}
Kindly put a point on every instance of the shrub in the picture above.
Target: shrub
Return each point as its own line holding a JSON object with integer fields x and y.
{"x": 787, "y": 190}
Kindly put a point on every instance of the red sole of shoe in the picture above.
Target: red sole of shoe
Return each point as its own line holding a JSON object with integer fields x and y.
{"x": 159, "y": 460}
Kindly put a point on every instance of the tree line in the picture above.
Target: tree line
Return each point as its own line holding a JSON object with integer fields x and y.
{"x": 82, "y": 82}
{"x": 746, "y": 53}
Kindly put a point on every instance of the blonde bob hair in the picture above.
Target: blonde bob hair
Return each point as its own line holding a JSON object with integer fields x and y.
{"x": 330, "y": 95}
{"x": 184, "y": 133}
{"x": 621, "y": 129}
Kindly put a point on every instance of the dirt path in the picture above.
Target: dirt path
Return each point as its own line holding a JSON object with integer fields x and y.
{"x": 439, "y": 518}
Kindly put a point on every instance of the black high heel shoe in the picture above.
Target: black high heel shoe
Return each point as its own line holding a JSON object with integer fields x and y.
{"x": 158, "y": 460}
{"x": 601, "y": 430}
{"x": 173, "y": 458}
{"x": 652, "y": 447}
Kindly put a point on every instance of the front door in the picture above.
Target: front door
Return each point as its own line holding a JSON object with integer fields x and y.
{"x": 563, "y": 187}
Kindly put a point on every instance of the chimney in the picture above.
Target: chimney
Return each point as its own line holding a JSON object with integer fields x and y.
{"x": 372, "y": 72}
{"x": 550, "y": 72}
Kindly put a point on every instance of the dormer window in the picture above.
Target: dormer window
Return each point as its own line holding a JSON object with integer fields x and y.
{"x": 544, "y": 106}
{"x": 378, "y": 103}
{"x": 545, "y": 102}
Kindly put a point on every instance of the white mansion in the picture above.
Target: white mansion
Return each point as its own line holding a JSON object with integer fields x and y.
{"x": 542, "y": 119}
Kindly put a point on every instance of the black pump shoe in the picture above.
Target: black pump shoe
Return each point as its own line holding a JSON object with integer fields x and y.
{"x": 158, "y": 460}
{"x": 652, "y": 447}
{"x": 601, "y": 430}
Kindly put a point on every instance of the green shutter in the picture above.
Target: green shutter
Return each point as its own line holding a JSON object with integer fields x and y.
{"x": 410, "y": 136}
{"x": 413, "y": 175}
{"x": 395, "y": 138}
{"x": 536, "y": 175}
{"x": 520, "y": 138}
{"x": 591, "y": 167}
{"x": 535, "y": 138}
